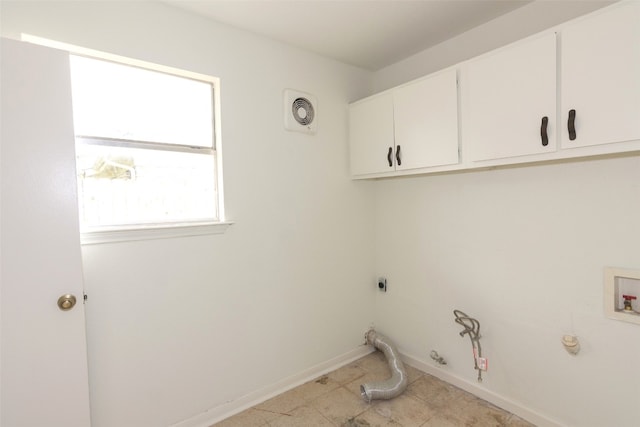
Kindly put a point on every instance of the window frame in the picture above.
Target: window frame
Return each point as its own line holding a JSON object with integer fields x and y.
{"x": 158, "y": 230}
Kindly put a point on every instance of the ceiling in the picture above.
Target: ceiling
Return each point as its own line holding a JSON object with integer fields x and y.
{"x": 370, "y": 34}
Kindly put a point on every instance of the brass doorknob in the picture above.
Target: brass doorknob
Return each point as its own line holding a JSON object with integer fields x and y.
{"x": 66, "y": 302}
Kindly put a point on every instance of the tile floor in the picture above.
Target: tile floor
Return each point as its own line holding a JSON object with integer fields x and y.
{"x": 334, "y": 400}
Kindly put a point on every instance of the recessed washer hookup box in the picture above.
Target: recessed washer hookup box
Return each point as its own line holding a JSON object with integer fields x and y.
{"x": 622, "y": 294}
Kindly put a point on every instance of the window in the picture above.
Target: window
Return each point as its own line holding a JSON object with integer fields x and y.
{"x": 145, "y": 146}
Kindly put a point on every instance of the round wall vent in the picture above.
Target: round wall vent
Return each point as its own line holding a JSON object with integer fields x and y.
{"x": 300, "y": 111}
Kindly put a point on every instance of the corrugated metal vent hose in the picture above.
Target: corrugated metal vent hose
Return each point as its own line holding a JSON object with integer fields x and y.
{"x": 394, "y": 386}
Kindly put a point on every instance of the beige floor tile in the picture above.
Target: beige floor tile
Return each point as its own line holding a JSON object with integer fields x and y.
{"x": 340, "y": 405}
{"x": 437, "y": 394}
{"x": 347, "y": 373}
{"x": 443, "y": 420}
{"x": 515, "y": 421}
{"x": 480, "y": 413}
{"x": 375, "y": 363}
{"x": 316, "y": 388}
{"x": 334, "y": 400}
{"x": 413, "y": 374}
{"x": 354, "y": 386}
{"x": 282, "y": 404}
{"x": 370, "y": 418}
{"x": 302, "y": 416}
{"x": 248, "y": 418}
{"x": 483, "y": 417}
{"x": 405, "y": 409}
{"x": 285, "y": 403}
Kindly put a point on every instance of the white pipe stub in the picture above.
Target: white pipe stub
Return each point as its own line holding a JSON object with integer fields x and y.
{"x": 571, "y": 344}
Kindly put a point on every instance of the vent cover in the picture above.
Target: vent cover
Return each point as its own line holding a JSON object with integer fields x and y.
{"x": 300, "y": 111}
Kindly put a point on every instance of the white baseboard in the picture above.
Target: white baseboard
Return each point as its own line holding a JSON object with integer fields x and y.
{"x": 496, "y": 399}
{"x": 221, "y": 412}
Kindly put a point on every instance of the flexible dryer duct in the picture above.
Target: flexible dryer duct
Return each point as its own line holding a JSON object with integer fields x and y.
{"x": 394, "y": 386}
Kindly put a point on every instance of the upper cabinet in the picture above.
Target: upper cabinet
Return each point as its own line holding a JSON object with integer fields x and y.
{"x": 600, "y": 74}
{"x": 411, "y": 127}
{"x": 509, "y": 101}
{"x": 572, "y": 91}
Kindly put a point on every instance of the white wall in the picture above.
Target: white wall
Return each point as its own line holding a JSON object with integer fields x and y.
{"x": 177, "y": 327}
{"x": 522, "y": 22}
{"x": 522, "y": 250}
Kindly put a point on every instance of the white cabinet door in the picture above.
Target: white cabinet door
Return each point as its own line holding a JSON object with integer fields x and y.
{"x": 601, "y": 77}
{"x": 506, "y": 96}
{"x": 412, "y": 127}
{"x": 426, "y": 122}
{"x": 371, "y": 135}
{"x": 44, "y": 359}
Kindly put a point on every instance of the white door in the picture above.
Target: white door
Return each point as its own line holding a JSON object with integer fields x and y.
{"x": 44, "y": 359}
{"x": 600, "y": 78}
{"x": 426, "y": 122}
{"x": 509, "y": 101}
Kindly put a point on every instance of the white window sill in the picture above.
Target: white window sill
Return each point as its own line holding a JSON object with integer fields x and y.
{"x": 137, "y": 233}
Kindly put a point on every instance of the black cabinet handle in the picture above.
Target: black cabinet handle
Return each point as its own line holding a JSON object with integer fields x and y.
{"x": 389, "y": 157}
{"x": 571, "y": 124}
{"x": 543, "y": 131}
{"x": 398, "y": 160}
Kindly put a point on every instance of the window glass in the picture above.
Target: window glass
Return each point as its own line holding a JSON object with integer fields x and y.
{"x": 126, "y": 185}
{"x": 123, "y": 102}
{"x": 144, "y": 146}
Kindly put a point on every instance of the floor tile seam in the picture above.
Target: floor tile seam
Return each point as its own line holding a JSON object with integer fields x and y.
{"x": 359, "y": 379}
{"x": 261, "y": 413}
{"x": 262, "y": 421}
{"x": 278, "y": 413}
{"x": 368, "y": 408}
{"x": 514, "y": 417}
{"x": 364, "y": 367}
{"x": 313, "y": 402}
{"x": 265, "y": 409}
{"x": 393, "y": 418}
{"x": 427, "y": 420}
{"x": 351, "y": 392}
{"x": 417, "y": 396}
{"x": 453, "y": 394}
{"x": 325, "y": 417}
{"x": 308, "y": 400}
{"x": 415, "y": 379}
{"x": 426, "y": 399}
{"x": 316, "y": 410}
{"x": 427, "y": 410}
{"x": 343, "y": 383}
{"x": 435, "y": 410}
{"x": 477, "y": 401}
{"x": 358, "y": 396}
